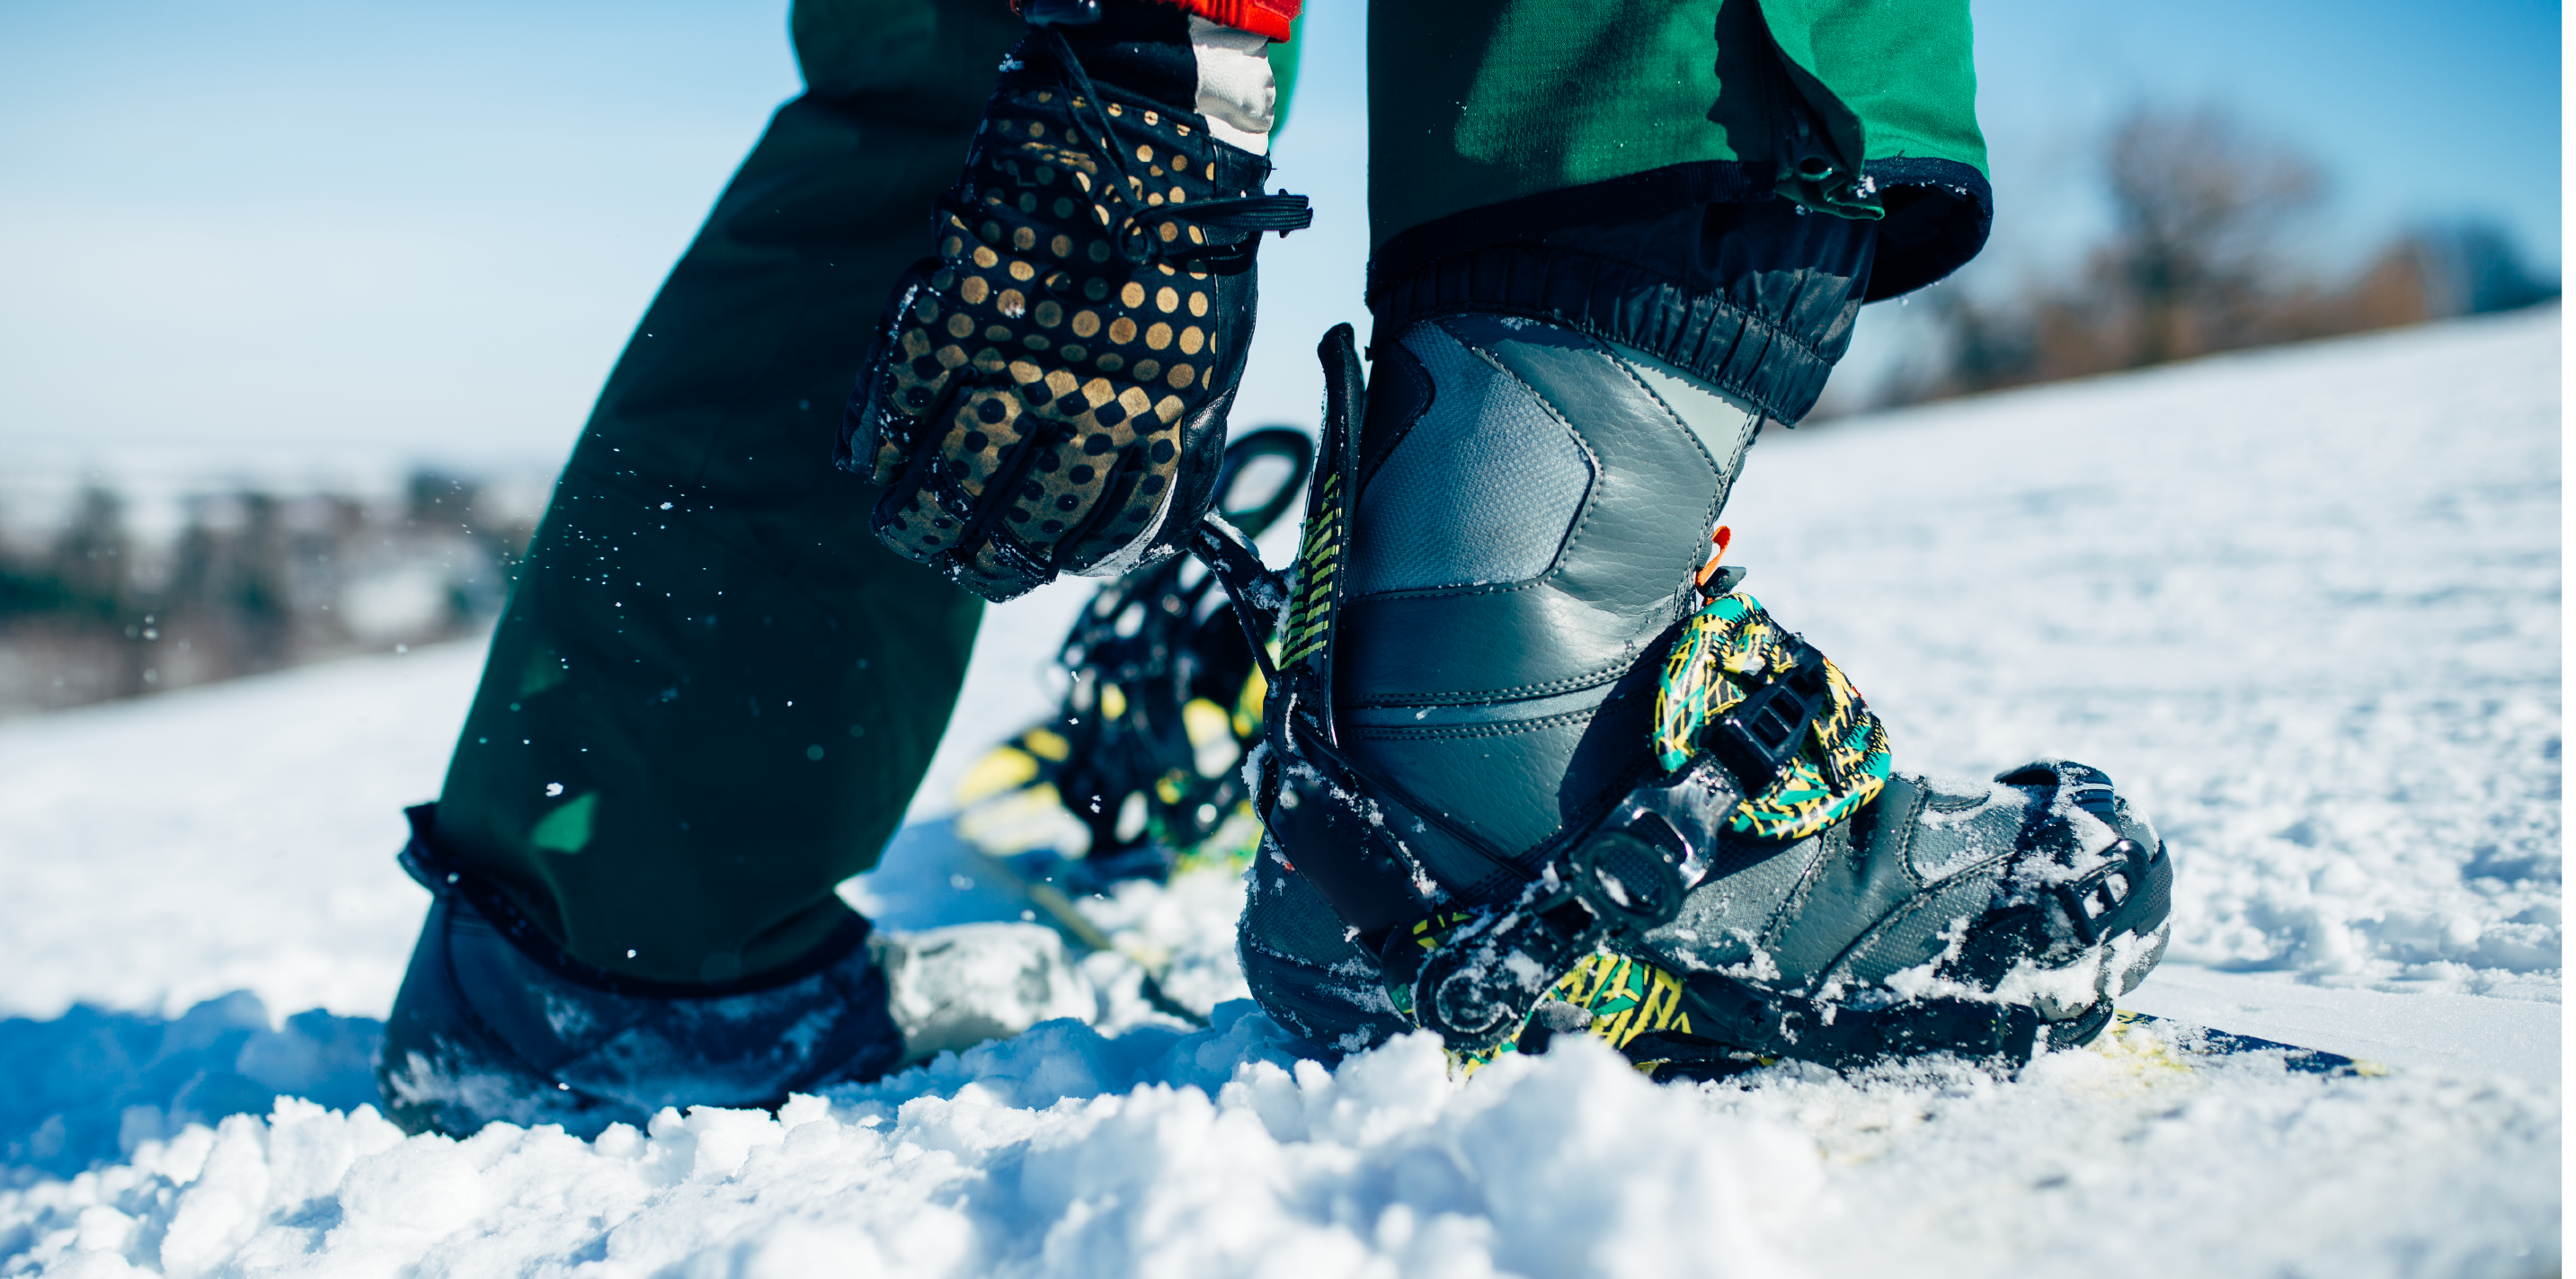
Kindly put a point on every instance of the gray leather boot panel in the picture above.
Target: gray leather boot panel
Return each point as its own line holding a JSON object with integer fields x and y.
{"x": 1724, "y": 921}
{"x": 1419, "y": 650}
{"x": 1862, "y": 877}
{"x": 1914, "y": 936}
{"x": 1723, "y": 426}
{"x": 1645, "y": 530}
{"x": 1960, "y": 826}
{"x": 1470, "y": 789}
{"x": 1855, "y": 902}
{"x": 1480, "y": 491}
{"x": 1499, "y": 782}
{"x": 1433, "y": 715}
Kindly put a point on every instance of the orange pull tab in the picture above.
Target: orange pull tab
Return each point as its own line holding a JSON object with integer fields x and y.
{"x": 1721, "y": 538}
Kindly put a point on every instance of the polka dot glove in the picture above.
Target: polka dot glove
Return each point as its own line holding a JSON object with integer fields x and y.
{"x": 1049, "y": 393}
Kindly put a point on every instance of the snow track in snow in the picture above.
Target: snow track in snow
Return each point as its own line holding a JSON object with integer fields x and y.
{"x": 2302, "y": 604}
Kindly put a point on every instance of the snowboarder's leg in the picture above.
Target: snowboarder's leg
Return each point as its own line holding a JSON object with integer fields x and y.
{"x": 1518, "y": 727}
{"x": 713, "y": 691}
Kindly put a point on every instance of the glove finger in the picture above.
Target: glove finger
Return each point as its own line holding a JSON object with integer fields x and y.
{"x": 1138, "y": 484}
{"x": 898, "y": 381}
{"x": 915, "y": 383}
{"x": 981, "y": 439}
{"x": 1118, "y": 517}
{"x": 923, "y": 512}
{"x": 1101, "y": 422}
{"x": 1015, "y": 442}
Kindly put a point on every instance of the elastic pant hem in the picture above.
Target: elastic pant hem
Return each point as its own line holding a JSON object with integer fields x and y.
{"x": 444, "y": 876}
{"x": 1734, "y": 349}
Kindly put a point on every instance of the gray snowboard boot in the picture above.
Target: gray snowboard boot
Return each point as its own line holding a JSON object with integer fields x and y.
{"x": 493, "y": 1023}
{"x": 1531, "y": 748}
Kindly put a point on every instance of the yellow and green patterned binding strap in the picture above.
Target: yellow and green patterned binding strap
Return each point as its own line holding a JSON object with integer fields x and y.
{"x": 1625, "y": 995}
{"x": 1319, "y": 559}
{"x": 1726, "y": 651}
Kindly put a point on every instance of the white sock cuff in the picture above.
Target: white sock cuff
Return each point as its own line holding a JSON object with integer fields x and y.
{"x": 1236, "y": 92}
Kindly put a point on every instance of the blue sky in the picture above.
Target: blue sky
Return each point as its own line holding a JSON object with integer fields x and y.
{"x": 426, "y": 230}
{"x": 2413, "y": 110}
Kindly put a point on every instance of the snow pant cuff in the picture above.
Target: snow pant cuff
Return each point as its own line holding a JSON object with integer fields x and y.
{"x": 446, "y": 877}
{"x": 1757, "y": 298}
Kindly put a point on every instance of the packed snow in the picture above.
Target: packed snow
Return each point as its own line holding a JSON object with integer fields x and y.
{"x": 2302, "y": 604}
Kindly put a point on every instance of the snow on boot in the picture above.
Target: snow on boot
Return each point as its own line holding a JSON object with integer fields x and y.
{"x": 1514, "y": 725}
{"x": 493, "y": 1022}
{"x": 1986, "y": 919}
{"x": 1141, "y": 766}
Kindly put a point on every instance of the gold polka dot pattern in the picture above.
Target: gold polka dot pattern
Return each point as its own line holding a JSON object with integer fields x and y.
{"x": 1028, "y": 402}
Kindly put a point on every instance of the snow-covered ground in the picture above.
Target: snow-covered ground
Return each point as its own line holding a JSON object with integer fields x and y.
{"x": 2303, "y": 604}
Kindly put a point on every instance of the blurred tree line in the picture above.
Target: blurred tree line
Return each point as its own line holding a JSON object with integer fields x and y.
{"x": 2201, "y": 258}
{"x": 252, "y": 581}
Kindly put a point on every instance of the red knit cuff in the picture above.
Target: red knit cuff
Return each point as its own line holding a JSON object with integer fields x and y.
{"x": 1260, "y": 17}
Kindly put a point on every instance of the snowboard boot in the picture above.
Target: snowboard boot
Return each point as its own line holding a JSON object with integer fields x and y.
{"x": 1519, "y": 721}
{"x": 1988, "y": 919}
{"x": 1139, "y": 772}
{"x": 494, "y": 1023}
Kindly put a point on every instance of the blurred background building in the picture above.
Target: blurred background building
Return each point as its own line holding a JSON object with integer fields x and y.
{"x": 302, "y": 303}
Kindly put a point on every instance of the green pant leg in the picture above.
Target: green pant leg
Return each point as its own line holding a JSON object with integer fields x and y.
{"x": 713, "y": 693}
{"x": 1497, "y": 121}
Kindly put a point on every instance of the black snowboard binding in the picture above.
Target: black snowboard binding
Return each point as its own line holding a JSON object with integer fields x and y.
{"x": 1991, "y": 922}
{"x": 1555, "y": 774}
{"x": 1144, "y": 756}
